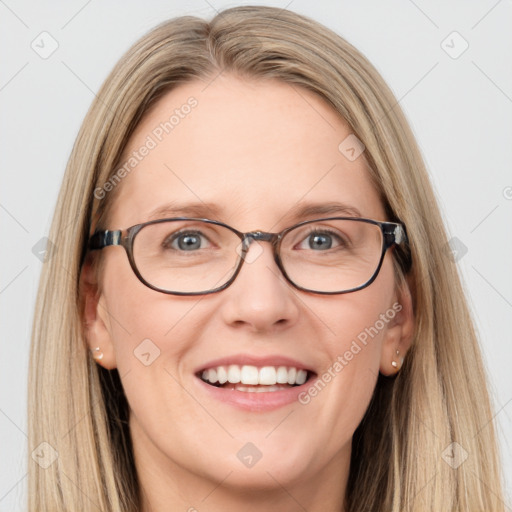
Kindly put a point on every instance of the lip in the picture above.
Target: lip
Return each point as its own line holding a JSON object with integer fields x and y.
{"x": 248, "y": 359}
{"x": 256, "y": 402}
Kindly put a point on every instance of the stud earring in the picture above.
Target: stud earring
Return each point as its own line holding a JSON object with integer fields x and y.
{"x": 394, "y": 364}
{"x": 97, "y": 354}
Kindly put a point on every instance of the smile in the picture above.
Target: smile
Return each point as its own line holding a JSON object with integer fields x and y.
{"x": 254, "y": 383}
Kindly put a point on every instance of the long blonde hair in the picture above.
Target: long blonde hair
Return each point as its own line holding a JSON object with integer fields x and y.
{"x": 438, "y": 398}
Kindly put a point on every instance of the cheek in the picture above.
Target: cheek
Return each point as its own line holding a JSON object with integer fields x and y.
{"x": 352, "y": 345}
{"x": 143, "y": 323}
{"x": 359, "y": 320}
{"x": 151, "y": 334}
{"x": 351, "y": 367}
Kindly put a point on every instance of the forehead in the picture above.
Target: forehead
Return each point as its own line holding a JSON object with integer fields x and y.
{"x": 256, "y": 151}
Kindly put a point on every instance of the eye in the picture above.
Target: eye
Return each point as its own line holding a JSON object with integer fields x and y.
{"x": 185, "y": 241}
{"x": 322, "y": 239}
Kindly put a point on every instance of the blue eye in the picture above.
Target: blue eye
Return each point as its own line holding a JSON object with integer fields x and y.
{"x": 185, "y": 241}
{"x": 322, "y": 239}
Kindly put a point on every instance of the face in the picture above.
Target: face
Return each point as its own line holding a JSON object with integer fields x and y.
{"x": 254, "y": 153}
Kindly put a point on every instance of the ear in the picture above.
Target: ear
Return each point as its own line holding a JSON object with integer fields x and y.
{"x": 399, "y": 332}
{"x": 95, "y": 317}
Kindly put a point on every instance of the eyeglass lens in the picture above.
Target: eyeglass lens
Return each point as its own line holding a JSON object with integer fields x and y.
{"x": 194, "y": 256}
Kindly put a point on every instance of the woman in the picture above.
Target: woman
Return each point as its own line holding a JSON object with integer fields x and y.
{"x": 198, "y": 367}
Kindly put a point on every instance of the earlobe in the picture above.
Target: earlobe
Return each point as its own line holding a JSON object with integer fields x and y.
{"x": 95, "y": 320}
{"x": 399, "y": 334}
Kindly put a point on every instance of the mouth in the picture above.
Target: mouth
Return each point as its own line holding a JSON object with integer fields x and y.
{"x": 255, "y": 379}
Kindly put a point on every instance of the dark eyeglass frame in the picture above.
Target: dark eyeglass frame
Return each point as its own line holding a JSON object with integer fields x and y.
{"x": 393, "y": 233}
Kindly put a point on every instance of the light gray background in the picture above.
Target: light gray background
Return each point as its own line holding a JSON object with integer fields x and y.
{"x": 459, "y": 108}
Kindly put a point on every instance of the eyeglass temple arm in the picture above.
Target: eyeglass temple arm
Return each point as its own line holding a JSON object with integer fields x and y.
{"x": 395, "y": 233}
{"x": 105, "y": 238}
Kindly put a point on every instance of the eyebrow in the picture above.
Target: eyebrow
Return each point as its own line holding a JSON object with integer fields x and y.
{"x": 215, "y": 212}
{"x": 330, "y": 208}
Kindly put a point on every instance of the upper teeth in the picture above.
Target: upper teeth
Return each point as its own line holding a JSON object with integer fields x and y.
{"x": 267, "y": 375}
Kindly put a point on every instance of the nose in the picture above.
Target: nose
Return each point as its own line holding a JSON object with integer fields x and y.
{"x": 260, "y": 298}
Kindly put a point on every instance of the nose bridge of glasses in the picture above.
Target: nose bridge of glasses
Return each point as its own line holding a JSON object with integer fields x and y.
{"x": 260, "y": 236}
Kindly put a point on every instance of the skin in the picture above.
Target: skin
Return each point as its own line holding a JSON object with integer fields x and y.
{"x": 256, "y": 150}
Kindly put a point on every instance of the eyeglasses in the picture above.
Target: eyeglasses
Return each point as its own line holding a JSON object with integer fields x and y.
{"x": 192, "y": 256}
